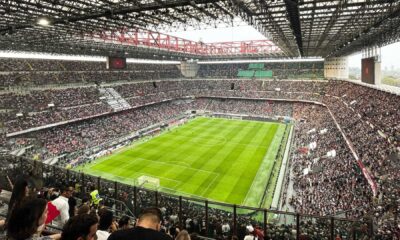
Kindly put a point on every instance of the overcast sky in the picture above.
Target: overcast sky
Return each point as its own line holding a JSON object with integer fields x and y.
{"x": 390, "y": 57}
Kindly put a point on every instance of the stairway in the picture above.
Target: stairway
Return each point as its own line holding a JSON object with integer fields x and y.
{"x": 114, "y": 99}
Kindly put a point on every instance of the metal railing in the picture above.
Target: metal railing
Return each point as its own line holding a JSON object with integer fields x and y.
{"x": 205, "y": 215}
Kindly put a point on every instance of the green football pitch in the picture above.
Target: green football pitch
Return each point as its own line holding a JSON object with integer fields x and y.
{"x": 218, "y": 159}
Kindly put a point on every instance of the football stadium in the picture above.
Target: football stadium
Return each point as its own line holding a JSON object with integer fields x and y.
{"x": 224, "y": 160}
{"x": 200, "y": 119}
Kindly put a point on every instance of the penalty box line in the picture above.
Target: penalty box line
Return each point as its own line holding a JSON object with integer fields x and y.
{"x": 216, "y": 175}
{"x": 177, "y": 182}
{"x": 174, "y": 165}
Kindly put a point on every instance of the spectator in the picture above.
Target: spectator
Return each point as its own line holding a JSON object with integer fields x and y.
{"x": 148, "y": 227}
{"x": 106, "y": 224}
{"x": 259, "y": 233}
{"x": 28, "y": 221}
{"x": 80, "y": 227}
{"x": 83, "y": 209}
{"x": 62, "y": 206}
{"x": 124, "y": 223}
{"x": 183, "y": 235}
{"x": 19, "y": 193}
{"x": 249, "y": 233}
{"x": 95, "y": 197}
{"x": 173, "y": 230}
{"x": 226, "y": 229}
{"x": 72, "y": 204}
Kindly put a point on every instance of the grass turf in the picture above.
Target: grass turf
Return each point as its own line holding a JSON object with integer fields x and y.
{"x": 218, "y": 159}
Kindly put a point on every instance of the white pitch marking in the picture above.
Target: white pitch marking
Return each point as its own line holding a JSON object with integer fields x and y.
{"x": 210, "y": 183}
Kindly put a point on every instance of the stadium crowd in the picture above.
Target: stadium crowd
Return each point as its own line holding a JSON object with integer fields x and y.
{"x": 43, "y": 65}
{"x": 83, "y": 135}
{"x": 31, "y": 72}
{"x": 41, "y": 107}
{"x": 33, "y": 108}
{"x": 72, "y": 195}
{"x": 326, "y": 182}
{"x": 313, "y": 70}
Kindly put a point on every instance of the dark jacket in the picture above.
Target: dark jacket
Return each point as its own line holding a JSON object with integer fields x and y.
{"x": 138, "y": 233}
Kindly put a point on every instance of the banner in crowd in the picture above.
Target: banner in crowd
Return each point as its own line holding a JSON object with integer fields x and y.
{"x": 368, "y": 176}
{"x": 303, "y": 150}
{"x": 366, "y": 173}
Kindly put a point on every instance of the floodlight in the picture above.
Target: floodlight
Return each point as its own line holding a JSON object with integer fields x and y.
{"x": 43, "y": 22}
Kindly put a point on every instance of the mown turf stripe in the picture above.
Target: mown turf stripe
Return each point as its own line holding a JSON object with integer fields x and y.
{"x": 224, "y": 164}
{"x": 129, "y": 159}
{"x": 252, "y": 168}
{"x": 232, "y": 173}
{"x": 258, "y": 185}
{"x": 197, "y": 155}
{"x": 201, "y": 158}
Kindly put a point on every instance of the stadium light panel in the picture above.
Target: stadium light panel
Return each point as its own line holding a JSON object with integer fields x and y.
{"x": 43, "y": 22}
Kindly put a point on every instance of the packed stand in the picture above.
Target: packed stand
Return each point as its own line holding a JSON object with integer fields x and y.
{"x": 370, "y": 119}
{"x": 375, "y": 108}
{"x": 281, "y": 70}
{"x": 378, "y": 107}
{"x": 71, "y": 196}
{"x": 325, "y": 182}
{"x": 83, "y": 135}
{"x": 36, "y": 108}
{"x": 83, "y": 102}
{"x": 31, "y": 72}
{"x": 250, "y": 107}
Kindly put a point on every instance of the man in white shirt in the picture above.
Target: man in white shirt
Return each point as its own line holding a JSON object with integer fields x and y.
{"x": 226, "y": 229}
{"x": 61, "y": 203}
{"x": 249, "y": 235}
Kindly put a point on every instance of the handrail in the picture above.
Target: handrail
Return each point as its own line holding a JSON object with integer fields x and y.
{"x": 23, "y": 163}
{"x": 122, "y": 203}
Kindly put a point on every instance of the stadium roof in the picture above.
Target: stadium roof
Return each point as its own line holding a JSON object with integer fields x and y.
{"x": 298, "y": 27}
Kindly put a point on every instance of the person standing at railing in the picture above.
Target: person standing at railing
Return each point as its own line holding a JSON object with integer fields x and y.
{"x": 254, "y": 233}
{"x": 95, "y": 197}
{"x": 59, "y": 207}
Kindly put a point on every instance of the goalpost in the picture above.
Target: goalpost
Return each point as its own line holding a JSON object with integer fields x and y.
{"x": 148, "y": 182}
{"x": 236, "y": 117}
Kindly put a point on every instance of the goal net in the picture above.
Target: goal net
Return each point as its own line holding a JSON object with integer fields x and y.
{"x": 236, "y": 117}
{"x": 148, "y": 182}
